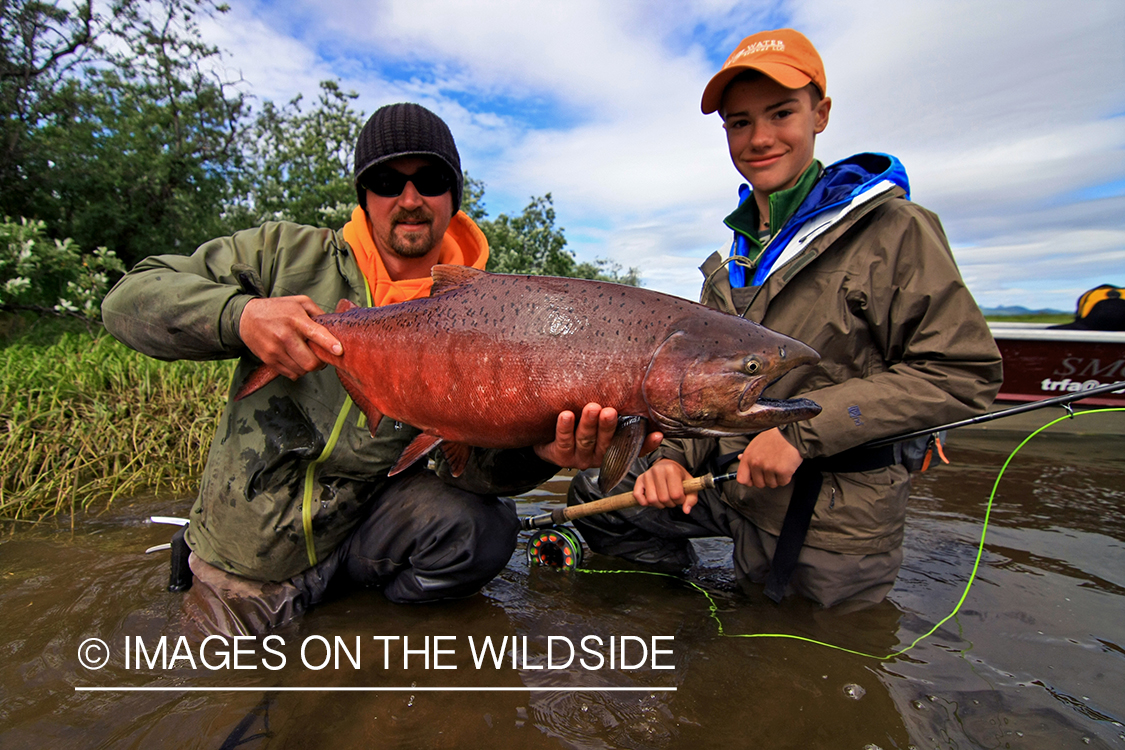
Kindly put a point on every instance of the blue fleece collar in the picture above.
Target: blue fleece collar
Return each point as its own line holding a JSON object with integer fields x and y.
{"x": 840, "y": 184}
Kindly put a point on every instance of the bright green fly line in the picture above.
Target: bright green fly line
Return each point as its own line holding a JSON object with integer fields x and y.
{"x": 714, "y": 609}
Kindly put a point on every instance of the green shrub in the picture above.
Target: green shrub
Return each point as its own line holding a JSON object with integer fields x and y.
{"x": 45, "y": 275}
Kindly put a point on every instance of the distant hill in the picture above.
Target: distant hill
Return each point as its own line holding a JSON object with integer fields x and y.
{"x": 1007, "y": 311}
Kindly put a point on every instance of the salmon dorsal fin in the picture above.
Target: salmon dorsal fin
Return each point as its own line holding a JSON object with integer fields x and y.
{"x": 345, "y": 304}
{"x": 448, "y": 277}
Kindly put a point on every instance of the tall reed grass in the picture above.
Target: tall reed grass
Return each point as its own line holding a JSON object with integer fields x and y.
{"x": 87, "y": 420}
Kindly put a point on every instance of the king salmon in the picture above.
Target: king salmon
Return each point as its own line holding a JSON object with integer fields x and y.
{"x": 490, "y": 360}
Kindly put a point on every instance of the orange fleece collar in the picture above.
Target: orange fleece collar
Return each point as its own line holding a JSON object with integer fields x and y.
{"x": 463, "y": 245}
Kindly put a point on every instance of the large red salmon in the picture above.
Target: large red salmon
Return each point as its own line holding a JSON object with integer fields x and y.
{"x": 490, "y": 360}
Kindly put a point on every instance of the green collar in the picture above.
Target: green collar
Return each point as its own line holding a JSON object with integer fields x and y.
{"x": 783, "y": 204}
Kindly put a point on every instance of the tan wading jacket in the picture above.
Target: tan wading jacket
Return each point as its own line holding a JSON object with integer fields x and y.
{"x": 293, "y": 466}
{"x": 903, "y": 347}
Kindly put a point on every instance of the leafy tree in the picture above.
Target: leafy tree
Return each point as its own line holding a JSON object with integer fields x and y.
{"x": 40, "y": 45}
{"x": 301, "y": 164}
{"x": 607, "y": 270}
{"x": 530, "y": 243}
{"x": 472, "y": 199}
{"x": 116, "y": 133}
{"x": 126, "y": 139}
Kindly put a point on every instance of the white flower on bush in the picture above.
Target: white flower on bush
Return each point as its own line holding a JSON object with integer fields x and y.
{"x": 35, "y": 270}
{"x": 14, "y": 287}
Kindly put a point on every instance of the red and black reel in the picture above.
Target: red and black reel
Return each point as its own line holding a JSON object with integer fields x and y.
{"x": 554, "y": 547}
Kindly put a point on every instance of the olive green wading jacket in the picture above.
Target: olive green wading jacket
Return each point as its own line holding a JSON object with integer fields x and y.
{"x": 903, "y": 347}
{"x": 292, "y": 466}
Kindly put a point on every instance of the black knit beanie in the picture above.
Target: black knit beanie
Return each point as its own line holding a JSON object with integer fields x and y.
{"x": 406, "y": 130}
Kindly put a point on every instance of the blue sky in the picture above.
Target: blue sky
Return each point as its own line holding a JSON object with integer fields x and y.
{"x": 1007, "y": 115}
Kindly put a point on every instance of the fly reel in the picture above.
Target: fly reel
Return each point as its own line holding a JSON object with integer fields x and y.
{"x": 554, "y": 547}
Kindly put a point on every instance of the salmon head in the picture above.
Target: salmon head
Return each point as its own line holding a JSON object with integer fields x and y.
{"x": 707, "y": 377}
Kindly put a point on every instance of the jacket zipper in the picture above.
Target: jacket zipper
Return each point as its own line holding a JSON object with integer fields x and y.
{"x": 310, "y": 471}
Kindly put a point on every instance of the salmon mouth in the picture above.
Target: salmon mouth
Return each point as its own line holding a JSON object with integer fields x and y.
{"x": 751, "y": 403}
{"x": 792, "y": 409}
{"x": 763, "y": 413}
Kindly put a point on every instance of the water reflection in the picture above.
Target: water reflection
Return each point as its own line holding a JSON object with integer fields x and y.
{"x": 1035, "y": 658}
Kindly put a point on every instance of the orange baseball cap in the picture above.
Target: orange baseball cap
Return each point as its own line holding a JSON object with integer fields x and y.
{"x": 785, "y": 55}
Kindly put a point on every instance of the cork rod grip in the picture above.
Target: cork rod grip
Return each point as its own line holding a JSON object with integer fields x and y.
{"x": 624, "y": 500}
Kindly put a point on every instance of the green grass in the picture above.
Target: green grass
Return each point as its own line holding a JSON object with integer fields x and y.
{"x": 86, "y": 420}
{"x": 1049, "y": 318}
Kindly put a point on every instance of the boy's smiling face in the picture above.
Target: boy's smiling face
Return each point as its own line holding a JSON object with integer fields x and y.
{"x": 771, "y": 131}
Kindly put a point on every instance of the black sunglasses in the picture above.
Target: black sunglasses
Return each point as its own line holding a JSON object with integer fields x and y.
{"x": 429, "y": 181}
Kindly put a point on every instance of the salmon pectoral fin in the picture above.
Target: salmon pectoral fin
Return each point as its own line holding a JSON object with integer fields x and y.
{"x": 457, "y": 454}
{"x": 418, "y": 447}
{"x": 352, "y": 386}
{"x": 260, "y": 377}
{"x": 623, "y": 450}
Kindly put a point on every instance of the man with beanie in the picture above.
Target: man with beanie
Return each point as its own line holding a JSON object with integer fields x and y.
{"x": 295, "y": 493}
{"x": 839, "y": 258}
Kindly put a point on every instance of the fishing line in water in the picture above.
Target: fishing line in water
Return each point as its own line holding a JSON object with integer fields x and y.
{"x": 714, "y": 608}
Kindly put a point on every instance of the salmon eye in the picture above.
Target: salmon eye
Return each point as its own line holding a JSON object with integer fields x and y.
{"x": 752, "y": 365}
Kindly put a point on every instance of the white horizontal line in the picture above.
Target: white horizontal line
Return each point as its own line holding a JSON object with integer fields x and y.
{"x": 372, "y": 689}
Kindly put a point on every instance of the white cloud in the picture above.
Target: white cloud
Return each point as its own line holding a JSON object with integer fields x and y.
{"x": 584, "y": 54}
{"x": 272, "y": 65}
{"x": 1002, "y": 112}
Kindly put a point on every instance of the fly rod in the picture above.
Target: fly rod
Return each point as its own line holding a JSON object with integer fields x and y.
{"x": 613, "y": 502}
{"x": 556, "y": 546}
{"x": 1063, "y": 400}
{"x": 708, "y": 481}
{"x": 553, "y": 545}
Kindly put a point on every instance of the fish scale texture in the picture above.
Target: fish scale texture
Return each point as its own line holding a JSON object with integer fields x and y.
{"x": 490, "y": 360}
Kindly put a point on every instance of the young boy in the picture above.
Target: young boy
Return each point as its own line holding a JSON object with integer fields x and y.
{"x": 837, "y": 257}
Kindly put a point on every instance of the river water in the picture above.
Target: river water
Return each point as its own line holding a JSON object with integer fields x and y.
{"x": 1035, "y": 658}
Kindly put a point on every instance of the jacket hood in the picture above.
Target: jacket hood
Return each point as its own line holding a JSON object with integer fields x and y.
{"x": 842, "y": 183}
{"x": 850, "y": 177}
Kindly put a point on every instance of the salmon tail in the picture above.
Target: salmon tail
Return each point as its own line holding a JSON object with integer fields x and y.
{"x": 622, "y": 451}
{"x": 260, "y": 377}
